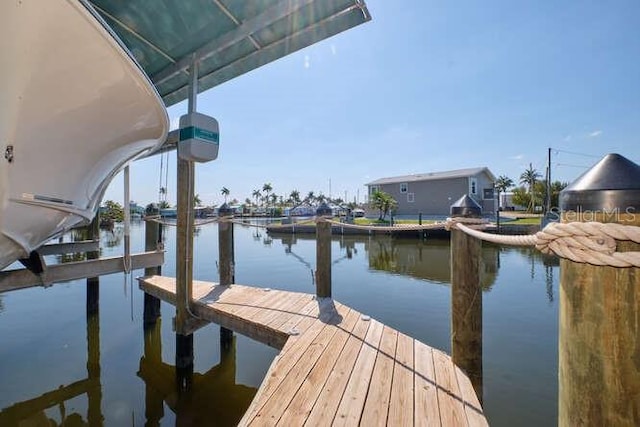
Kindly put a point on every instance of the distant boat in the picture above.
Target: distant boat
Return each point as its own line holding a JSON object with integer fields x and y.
{"x": 169, "y": 213}
{"x": 75, "y": 107}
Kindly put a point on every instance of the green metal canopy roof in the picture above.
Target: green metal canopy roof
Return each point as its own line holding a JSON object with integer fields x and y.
{"x": 227, "y": 37}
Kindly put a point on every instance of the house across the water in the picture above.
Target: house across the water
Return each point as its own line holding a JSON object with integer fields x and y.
{"x": 433, "y": 193}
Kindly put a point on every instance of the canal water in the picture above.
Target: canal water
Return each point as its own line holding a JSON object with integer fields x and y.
{"x": 60, "y": 367}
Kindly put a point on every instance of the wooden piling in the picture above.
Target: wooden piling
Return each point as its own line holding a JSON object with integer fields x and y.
{"x": 226, "y": 262}
{"x": 184, "y": 361}
{"x": 153, "y": 400}
{"x": 225, "y": 252}
{"x": 226, "y": 341}
{"x": 184, "y": 243}
{"x": 599, "y": 331}
{"x": 466, "y": 306}
{"x": 599, "y": 341}
{"x": 153, "y": 237}
{"x": 94, "y": 393}
{"x": 323, "y": 259}
{"x": 93, "y": 283}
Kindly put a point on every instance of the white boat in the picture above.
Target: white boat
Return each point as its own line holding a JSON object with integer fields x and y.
{"x": 74, "y": 109}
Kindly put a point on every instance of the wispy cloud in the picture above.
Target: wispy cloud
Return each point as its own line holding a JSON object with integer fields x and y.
{"x": 333, "y": 49}
{"x": 307, "y": 61}
{"x": 517, "y": 157}
{"x": 595, "y": 134}
{"x": 567, "y": 138}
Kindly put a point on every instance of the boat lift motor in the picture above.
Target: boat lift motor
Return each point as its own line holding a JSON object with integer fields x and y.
{"x": 199, "y": 138}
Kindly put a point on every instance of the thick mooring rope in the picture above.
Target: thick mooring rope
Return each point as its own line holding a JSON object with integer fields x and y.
{"x": 585, "y": 242}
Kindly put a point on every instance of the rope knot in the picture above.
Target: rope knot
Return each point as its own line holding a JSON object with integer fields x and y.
{"x": 570, "y": 240}
{"x": 589, "y": 242}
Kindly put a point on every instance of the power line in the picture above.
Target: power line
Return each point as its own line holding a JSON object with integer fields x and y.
{"x": 572, "y": 166}
{"x": 557, "y": 151}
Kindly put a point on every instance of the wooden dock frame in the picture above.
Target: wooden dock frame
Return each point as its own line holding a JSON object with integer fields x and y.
{"x": 92, "y": 267}
{"x": 335, "y": 365}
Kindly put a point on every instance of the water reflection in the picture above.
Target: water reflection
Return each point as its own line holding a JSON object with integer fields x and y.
{"x": 212, "y": 397}
{"x": 535, "y": 259}
{"x": 427, "y": 260}
{"x": 37, "y": 411}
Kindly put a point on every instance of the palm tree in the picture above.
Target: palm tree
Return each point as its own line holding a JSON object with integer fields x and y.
{"x": 530, "y": 177}
{"x": 383, "y": 202}
{"x": 310, "y": 197}
{"x": 266, "y": 188}
{"x": 256, "y": 195}
{"x": 197, "y": 201}
{"x": 294, "y": 197}
{"x": 503, "y": 183}
{"x": 225, "y": 192}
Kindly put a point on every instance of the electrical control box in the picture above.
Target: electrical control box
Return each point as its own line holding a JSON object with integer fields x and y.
{"x": 199, "y": 138}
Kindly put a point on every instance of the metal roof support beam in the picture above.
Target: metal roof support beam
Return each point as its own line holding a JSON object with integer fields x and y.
{"x": 133, "y": 33}
{"x": 281, "y": 10}
{"x": 235, "y": 21}
{"x": 302, "y": 33}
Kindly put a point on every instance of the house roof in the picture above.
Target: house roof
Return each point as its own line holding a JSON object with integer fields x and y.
{"x": 432, "y": 176}
{"x": 227, "y": 37}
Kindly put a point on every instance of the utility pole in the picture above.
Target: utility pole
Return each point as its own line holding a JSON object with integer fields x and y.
{"x": 548, "y": 202}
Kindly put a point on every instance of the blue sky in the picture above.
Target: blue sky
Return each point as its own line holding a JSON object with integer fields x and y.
{"x": 425, "y": 86}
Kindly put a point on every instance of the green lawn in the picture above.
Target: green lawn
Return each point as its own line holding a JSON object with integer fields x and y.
{"x": 522, "y": 221}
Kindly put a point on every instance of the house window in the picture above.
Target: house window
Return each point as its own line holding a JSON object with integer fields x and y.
{"x": 373, "y": 189}
{"x": 411, "y": 197}
{"x": 488, "y": 194}
{"x": 473, "y": 186}
{"x": 404, "y": 187}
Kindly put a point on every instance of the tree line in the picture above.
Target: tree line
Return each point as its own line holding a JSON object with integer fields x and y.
{"x": 532, "y": 191}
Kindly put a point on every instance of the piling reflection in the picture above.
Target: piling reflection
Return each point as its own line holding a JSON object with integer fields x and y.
{"x": 212, "y": 398}
{"x": 422, "y": 259}
{"x": 37, "y": 412}
{"x": 427, "y": 260}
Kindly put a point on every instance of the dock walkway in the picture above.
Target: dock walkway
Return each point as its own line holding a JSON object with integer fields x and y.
{"x": 336, "y": 366}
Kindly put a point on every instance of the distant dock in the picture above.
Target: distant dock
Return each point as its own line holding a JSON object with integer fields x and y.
{"x": 336, "y": 366}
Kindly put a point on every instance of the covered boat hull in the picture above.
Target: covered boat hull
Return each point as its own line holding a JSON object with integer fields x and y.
{"x": 74, "y": 109}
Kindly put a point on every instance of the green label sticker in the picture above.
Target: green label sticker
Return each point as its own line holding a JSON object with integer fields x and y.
{"x": 193, "y": 132}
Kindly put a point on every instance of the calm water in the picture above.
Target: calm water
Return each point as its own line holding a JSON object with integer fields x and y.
{"x": 56, "y": 365}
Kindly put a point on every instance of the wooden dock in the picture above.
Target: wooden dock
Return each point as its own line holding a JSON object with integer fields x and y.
{"x": 336, "y": 366}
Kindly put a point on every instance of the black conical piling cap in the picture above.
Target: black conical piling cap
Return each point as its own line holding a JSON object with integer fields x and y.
{"x": 225, "y": 210}
{"x": 612, "y": 183}
{"x": 467, "y": 207}
{"x": 324, "y": 210}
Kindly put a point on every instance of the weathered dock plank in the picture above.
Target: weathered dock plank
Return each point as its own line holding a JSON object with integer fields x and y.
{"x": 335, "y": 366}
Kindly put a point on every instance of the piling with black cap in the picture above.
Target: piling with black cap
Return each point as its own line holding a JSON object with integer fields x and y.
{"x": 466, "y": 296}
{"x": 599, "y": 331}
{"x": 465, "y": 207}
{"x": 323, "y": 251}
